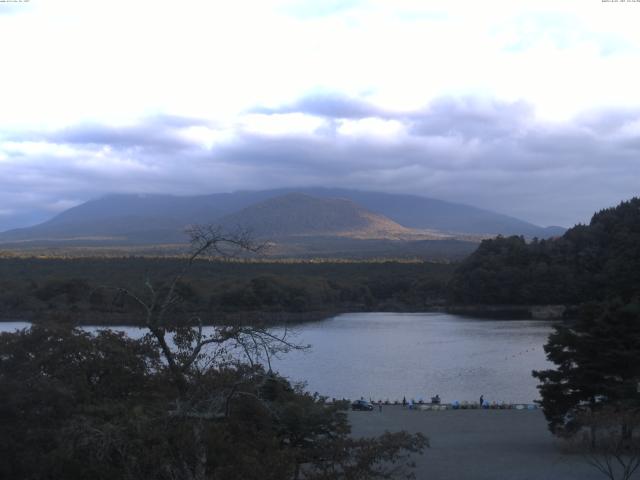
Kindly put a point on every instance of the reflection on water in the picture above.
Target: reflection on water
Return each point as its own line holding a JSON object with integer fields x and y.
{"x": 391, "y": 355}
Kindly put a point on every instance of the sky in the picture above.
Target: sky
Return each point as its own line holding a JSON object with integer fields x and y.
{"x": 529, "y": 108}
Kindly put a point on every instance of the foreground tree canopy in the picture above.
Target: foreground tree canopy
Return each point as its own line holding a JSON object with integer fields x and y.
{"x": 180, "y": 403}
{"x": 76, "y": 405}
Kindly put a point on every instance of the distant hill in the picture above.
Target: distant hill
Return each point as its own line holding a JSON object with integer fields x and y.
{"x": 282, "y": 213}
{"x": 414, "y": 211}
{"x": 588, "y": 263}
{"x": 133, "y": 218}
{"x": 298, "y": 214}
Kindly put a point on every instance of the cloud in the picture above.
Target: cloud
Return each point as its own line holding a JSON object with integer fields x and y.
{"x": 144, "y": 137}
{"x": 329, "y": 105}
{"x": 15, "y": 8}
{"x": 474, "y": 150}
{"x": 157, "y": 134}
{"x": 529, "y": 109}
{"x": 471, "y": 117}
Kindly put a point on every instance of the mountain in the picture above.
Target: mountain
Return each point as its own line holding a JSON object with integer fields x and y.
{"x": 414, "y": 211}
{"x": 298, "y": 214}
{"x": 283, "y": 213}
{"x": 134, "y": 218}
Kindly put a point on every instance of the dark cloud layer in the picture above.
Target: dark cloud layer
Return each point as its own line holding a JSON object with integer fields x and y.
{"x": 470, "y": 118}
{"x": 482, "y": 152}
{"x": 157, "y": 134}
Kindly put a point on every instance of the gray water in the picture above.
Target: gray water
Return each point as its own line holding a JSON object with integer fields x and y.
{"x": 391, "y": 355}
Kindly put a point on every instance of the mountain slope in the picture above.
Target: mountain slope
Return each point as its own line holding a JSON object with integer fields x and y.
{"x": 297, "y": 214}
{"x": 427, "y": 213}
{"x": 146, "y": 219}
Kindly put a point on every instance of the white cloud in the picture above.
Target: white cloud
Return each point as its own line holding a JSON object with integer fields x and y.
{"x": 117, "y": 61}
{"x": 10, "y": 149}
{"x": 279, "y": 124}
{"x": 372, "y": 127}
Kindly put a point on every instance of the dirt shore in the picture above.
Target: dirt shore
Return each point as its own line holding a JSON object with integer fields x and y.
{"x": 480, "y": 444}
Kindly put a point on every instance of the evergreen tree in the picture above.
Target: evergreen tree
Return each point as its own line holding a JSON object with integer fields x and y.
{"x": 591, "y": 262}
{"x": 598, "y": 364}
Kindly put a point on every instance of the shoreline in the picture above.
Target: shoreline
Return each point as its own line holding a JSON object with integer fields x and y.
{"x": 512, "y": 312}
{"x": 441, "y": 407}
{"x": 101, "y": 319}
{"x": 252, "y": 317}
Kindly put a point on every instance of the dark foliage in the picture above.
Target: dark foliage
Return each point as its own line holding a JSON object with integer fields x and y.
{"x": 65, "y": 394}
{"x": 34, "y": 287}
{"x": 589, "y": 262}
{"x": 597, "y": 359}
{"x": 75, "y": 406}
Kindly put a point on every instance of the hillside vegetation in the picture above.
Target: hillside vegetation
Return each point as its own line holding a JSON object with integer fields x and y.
{"x": 588, "y": 263}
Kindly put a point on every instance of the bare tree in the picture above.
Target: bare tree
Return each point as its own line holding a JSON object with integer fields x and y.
{"x": 607, "y": 441}
{"x": 222, "y": 372}
{"x": 182, "y": 344}
{"x": 190, "y": 352}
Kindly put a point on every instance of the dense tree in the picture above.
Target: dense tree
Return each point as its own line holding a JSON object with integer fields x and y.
{"x": 597, "y": 366}
{"x": 64, "y": 392}
{"x": 589, "y": 262}
{"x": 34, "y": 287}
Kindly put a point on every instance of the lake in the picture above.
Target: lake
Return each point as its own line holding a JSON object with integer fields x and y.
{"x": 417, "y": 355}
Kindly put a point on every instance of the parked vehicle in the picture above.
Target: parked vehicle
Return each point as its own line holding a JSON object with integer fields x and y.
{"x": 361, "y": 405}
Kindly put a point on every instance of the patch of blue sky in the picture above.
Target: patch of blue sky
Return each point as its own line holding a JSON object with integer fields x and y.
{"x": 563, "y": 31}
{"x": 311, "y": 9}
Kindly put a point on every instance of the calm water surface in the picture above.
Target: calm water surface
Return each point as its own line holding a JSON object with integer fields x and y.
{"x": 391, "y": 355}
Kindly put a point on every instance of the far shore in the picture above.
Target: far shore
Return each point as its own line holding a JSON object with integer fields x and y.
{"x": 512, "y": 312}
{"x": 251, "y": 317}
{"x": 211, "y": 319}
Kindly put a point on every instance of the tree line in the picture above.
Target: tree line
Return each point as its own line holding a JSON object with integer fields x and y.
{"x": 35, "y": 288}
{"x": 599, "y": 261}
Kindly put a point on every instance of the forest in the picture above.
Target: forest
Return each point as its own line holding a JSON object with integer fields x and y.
{"x": 591, "y": 262}
{"x": 35, "y": 288}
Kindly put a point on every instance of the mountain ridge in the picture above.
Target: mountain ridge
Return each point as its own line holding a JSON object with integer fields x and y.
{"x": 154, "y": 219}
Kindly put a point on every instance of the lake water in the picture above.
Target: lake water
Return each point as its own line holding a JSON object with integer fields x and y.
{"x": 391, "y": 355}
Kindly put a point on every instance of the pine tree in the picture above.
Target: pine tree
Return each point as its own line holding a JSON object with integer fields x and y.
{"x": 598, "y": 364}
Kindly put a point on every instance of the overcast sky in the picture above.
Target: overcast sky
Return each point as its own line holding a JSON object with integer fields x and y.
{"x": 530, "y": 108}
